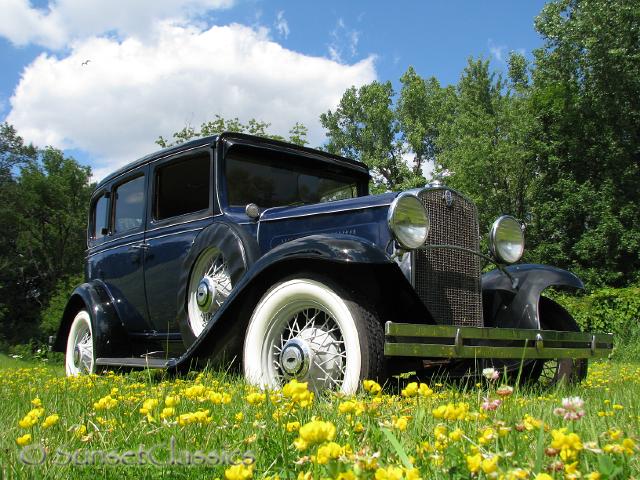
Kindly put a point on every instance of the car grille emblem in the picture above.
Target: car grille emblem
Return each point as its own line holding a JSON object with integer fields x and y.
{"x": 448, "y": 198}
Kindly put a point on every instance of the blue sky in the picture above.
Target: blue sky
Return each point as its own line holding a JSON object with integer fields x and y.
{"x": 156, "y": 65}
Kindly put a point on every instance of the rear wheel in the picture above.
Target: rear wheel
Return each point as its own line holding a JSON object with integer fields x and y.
{"x": 313, "y": 331}
{"x": 79, "y": 358}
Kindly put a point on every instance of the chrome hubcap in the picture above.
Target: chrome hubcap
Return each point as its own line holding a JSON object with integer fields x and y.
{"x": 206, "y": 294}
{"x": 295, "y": 358}
{"x": 311, "y": 349}
{"x": 209, "y": 287}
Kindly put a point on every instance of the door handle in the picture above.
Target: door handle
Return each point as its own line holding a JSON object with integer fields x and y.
{"x": 139, "y": 247}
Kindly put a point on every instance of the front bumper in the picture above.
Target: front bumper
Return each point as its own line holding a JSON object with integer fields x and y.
{"x": 449, "y": 341}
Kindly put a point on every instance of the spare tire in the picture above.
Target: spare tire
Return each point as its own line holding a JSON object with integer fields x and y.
{"x": 219, "y": 256}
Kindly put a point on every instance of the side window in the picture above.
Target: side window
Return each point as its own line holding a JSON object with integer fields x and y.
{"x": 182, "y": 187}
{"x": 99, "y": 217}
{"x": 129, "y": 205}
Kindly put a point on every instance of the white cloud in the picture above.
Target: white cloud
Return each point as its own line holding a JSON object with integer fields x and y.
{"x": 343, "y": 39}
{"x": 427, "y": 166}
{"x": 65, "y": 21}
{"x": 498, "y": 51}
{"x": 132, "y": 91}
{"x": 281, "y": 24}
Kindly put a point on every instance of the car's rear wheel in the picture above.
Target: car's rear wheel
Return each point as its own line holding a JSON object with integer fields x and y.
{"x": 312, "y": 330}
{"x": 79, "y": 355}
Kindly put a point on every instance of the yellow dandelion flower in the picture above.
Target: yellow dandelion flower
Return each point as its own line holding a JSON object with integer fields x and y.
{"x": 24, "y": 440}
{"x": 314, "y": 432}
{"x": 389, "y": 473}
{"x": 327, "y": 452}
{"x": 372, "y": 387}
{"x": 50, "y": 421}
{"x": 256, "y": 398}
{"x": 474, "y": 462}
{"x": 292, "y": 426}
{"x": 239, "y": 472}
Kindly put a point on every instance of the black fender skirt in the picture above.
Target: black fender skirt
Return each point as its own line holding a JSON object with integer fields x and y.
{"x": 511, "y": 301}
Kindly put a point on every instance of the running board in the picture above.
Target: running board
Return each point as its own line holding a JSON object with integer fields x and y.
{"x": 136, "y": 362}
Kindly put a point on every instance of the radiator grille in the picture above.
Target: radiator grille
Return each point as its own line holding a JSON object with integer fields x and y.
{"x": 448, "y": 280}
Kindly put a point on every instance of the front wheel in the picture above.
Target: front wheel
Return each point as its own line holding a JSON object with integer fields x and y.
{"x": 313, "y": 331}
{"x": 79, "y": 356}
{"x": 548, "y": 373}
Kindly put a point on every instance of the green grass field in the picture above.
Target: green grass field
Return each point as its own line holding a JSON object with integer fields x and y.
{"x": 142, "y": 425}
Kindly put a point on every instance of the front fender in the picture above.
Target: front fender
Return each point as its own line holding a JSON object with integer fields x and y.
{"x": 519, "y": 307}
{"x": 228, "y": 325}
{"x": 110, "y": 339}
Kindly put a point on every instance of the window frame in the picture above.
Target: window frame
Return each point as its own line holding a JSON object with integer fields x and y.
{"x": 133, "y": 175}
{"x": 157, "y": 165}
{"x": 91, "y": 224}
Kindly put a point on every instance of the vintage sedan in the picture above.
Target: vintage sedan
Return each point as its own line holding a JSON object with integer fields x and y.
{"x": 274, "y": 257}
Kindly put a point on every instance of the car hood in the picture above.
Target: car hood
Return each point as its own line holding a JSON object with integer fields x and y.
{"x": 369, "y": 201}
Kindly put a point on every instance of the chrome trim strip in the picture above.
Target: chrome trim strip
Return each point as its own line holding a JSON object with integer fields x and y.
{"x": 168, "y": 225}
{"x": 175, "y": 233}
{"x": 326, "y": 212}
{"x": 115, "y": 246}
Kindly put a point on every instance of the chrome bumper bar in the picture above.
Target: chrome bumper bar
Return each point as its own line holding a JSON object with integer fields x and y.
{"x": 449, "y": 341}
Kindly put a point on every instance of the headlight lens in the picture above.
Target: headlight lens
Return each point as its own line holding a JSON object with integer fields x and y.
{"x": 408, "y": 221}
{"x": 506, "y": 239}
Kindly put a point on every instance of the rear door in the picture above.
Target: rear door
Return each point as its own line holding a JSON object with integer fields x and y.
{"x": 180, "y": 206}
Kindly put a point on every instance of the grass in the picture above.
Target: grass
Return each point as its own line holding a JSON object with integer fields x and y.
{"x": 209, "y": 418}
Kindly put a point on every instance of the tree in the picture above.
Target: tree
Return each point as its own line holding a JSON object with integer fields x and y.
{"x": 297, "y": 133}
{"x": 423, "y": 107}
{"x": 586, "y": 95}
{"x": 487, "y": 148}
{"x": 364, "y": 126}
{"x": 44, "y": 209}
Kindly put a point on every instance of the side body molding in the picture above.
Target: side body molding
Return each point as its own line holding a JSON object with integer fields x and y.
{"x": 321, "y": 248}
{"x": 529, "y": 280}
{"x": 109, "y": 336}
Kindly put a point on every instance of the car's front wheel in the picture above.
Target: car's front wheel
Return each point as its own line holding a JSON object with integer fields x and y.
{"x": 314, "y": 331}
{"x": 79, "y": 355}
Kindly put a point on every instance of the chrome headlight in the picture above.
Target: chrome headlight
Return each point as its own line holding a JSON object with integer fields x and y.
{"x": 408, "y": 221}
{"x": 506, "y": 239}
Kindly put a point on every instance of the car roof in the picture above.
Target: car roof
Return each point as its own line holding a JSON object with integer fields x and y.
{"x": 234, "y": 138}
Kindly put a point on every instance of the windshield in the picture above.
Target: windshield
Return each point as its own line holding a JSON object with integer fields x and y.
{"x": 270, "y": 181}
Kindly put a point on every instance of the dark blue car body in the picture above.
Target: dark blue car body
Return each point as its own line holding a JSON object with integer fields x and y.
{"x": 135, "y": 280}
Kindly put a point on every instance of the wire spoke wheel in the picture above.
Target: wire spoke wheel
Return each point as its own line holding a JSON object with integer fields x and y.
{"x": 309, "y": 348}
{"x": 209, "y": 287}
{"x": 313, "y": 331}
{"x": 79, "y": 358}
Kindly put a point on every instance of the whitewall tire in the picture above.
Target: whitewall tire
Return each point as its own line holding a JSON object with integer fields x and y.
{"x": 79, "y": 356}
{"x": 312, "y": 330}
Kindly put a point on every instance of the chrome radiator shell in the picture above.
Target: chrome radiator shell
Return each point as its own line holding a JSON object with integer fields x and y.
{"x": 448, "y": 279}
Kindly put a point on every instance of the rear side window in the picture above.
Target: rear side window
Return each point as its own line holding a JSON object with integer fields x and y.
{"x": 182, "y": 187}
{"x": 129, "y": 205}
{"x": 99, "y": 217}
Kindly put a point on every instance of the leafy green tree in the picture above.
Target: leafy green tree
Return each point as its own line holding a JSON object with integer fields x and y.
{"x": 487, "y": 148}
{"x": 364, "y": 126}
{"x": 45, "y": 197}
{"x": 423, "y": 107}
{"x": 586, "y": 95}
{"x": 297, "y": 133}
